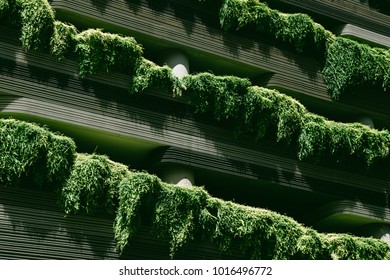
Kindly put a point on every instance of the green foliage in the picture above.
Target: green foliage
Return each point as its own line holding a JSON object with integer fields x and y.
{"x": 262, "y": 234}
{"x": 136, "y": 195}
{"x": 4, "y": 6}
{"x": 63, "y": 40}
{"x": 59, "y": 158}
{"x": 349, "y": 63}
{"x": 252, "y": 109}
{"x": 92, "y": 185}
{"x": 312, "y": 245}
{"x": 177, "y": 214}
{"x": 149, "y": 75}
{"x": 221, "y": 95}
{"x": 259, "y": 110}
{"x": 320, "y": 137}
{"x": 182, "y": 214}
{"x": 37, "y": 23}
{"x": 29, "y": 150}
{"x": 299, "y": 30}
{"x": 104, "y": 52}
{"x": 265, "y": 108}
{"x": 347, "y": 247}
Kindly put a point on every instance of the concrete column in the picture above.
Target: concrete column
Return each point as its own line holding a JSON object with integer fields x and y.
{"x": 178, "y": 175}
{"x": 366, "y": 121}
{"x": 380, "y": 231}
{"x": 178, "y": 61}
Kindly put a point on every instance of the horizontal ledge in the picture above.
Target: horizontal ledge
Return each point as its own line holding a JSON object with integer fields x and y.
{"x": 312, "y": 88}
{"x": 189, "y": 138}
{"x": 344, "y": 11}
{"x": 348, "y": 214}
{"x": 269, "y": 168}
{"x": 235, "y": 55}
{"x": 371, "y": 104}
{"x": 364, "y": 35}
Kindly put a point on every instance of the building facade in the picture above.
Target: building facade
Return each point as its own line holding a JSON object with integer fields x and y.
{"x": 276, "y": 104}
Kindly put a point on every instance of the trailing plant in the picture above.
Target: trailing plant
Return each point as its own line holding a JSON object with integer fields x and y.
{"x": 149, "y": 75}
{"x": 258, "y": 231}
{"x": 92, "y": 185}
{"x": 265, "y": 108}
{"x": 313, "y": 245}
{"x": 4, "y": 6}
{"x": 299, "y": 30}
{"x": 137, "y": 194}
{"x": 63, "y": 40}
{"x": 31, "y": 151}
{"x": 258, "y": 110}
{"x": 346, "y": 247}
{"x": 104, "y": 52}
{"x": 349, "y": 63}
{"x": 252, "y": 109}
{"x": 221, "y": 95}
{"x": 320, "y": 137}
{"x": 176, "y": 213}
{"x": 37, "y": 23}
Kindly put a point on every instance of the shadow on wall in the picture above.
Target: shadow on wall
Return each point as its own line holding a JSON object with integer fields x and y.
{"x": 33, "y": 227}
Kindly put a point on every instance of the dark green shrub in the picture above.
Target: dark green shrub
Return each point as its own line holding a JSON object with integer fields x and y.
{"x": 221, "y": 95}
{"x": 261, "y": 234}
{"x": 149, "y": 75}
{"x": 137, "y": 194}
{"x": 104, "y": 52}
{"x": 299, "y": 30}
{"x": 347, "y": 247}
{"x": 29, "y": 150}
{"x": 312, "y": 246}
{"x": 266, "y": 108}
{"x": 177, "y": 214}
{"x": 4, "y": 6}
{"x": 92, "y": 185}
{"x": 349, "y": 63}
{"x": 63, "y": 40}
{"x": 37, "y": 23}
{"x": 320, "y": 137}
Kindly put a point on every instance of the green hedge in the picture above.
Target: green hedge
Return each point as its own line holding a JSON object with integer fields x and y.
{"x": 179, "y": 214}
{"x": 220, "y": 95}
{"x": 28, "y": 150}
{"x": 349, "y": 63}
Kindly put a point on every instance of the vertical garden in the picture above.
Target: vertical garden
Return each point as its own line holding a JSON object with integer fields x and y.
{"x": 88, "y": 182}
